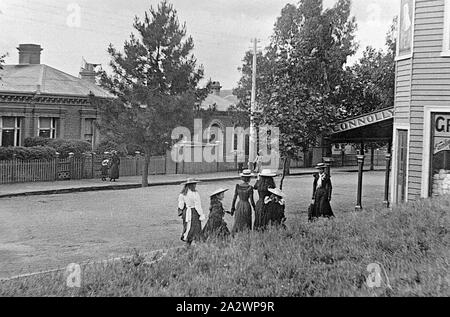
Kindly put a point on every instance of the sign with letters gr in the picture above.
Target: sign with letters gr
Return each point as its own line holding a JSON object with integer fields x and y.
{"x": 441, "y": 140}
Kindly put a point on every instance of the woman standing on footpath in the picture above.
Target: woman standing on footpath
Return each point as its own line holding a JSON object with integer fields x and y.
{"x": 190, "y": 209}
{"x": 115, "y": 163}
{"x": 265, "y": 182}
{"x": 322, "y": 190}
{"x": 216, "y": 225}
{"x": 243, "y": 212}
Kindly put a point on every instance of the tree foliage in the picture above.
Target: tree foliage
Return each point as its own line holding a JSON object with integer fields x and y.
{"x": 2, "y": 62}
{"x": 301, "y": 72}
{"x": 369, "y": 83}
{"x": 155, "y": 80}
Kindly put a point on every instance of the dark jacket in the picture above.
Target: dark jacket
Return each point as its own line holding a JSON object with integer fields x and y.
{"x": 326, "y": 184}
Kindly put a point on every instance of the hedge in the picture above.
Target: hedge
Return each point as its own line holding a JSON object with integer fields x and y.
{"x": 64, "y": 147}
{"x": 36, "y": 141}
{"x": 27, "y": 153}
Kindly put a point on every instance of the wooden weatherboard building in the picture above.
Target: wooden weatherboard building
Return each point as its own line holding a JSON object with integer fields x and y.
{"x": 421, "y": 135}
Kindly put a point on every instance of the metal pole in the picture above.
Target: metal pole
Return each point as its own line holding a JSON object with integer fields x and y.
{"x": 252, "y": 145}
{"x": 360, "y": 159}
{"x": 387, "y": 180}
{"x": 372, "y": 157}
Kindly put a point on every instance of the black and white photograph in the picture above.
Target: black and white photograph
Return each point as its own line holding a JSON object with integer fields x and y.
{"x": 225, "y": 155}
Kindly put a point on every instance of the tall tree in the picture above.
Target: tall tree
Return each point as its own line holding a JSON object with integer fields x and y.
{"x": 155, "y": 80}
{"x": 302, "y": 77}
{"x": 370, "y": 82}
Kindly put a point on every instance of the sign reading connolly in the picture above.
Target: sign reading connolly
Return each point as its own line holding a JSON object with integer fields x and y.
{"x": 194, "y": 150}
{"x": 364, "y": 120}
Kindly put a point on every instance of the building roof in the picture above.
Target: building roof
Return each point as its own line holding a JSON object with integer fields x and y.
{"x": 217, "y": 102}
{"x": 228, "y": 95}
{"x": 43, "y": 79}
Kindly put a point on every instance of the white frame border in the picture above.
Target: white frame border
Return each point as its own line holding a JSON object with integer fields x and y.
{"x": 410, "y": 55}
{"x": 426, "y": 162}
{"x": 446, "y": 35}
{"x": 394, "y": 151}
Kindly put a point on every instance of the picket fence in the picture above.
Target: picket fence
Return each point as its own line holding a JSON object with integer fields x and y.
{"x": 86, "y": 167}
{"x": 89, "y": 167}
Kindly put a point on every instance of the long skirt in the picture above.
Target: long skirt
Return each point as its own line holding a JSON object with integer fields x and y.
{"x": 242, "y": 217}
{"x": 275, "y": 214}
{"x": 321, "y": 207}
{"x": 192, "y": 231}
{"x": 261, "y": 216}
{"x": 215, "y": 227}
{"x": 114, "y": 173}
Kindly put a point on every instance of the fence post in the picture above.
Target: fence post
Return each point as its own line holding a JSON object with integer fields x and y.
{"x": 136, "y": 163}
{"x": 14, "y": 166}
{"x": 71, "y": 165}
{"x": 56, "y": 160}
{"x": 92, "y": 165}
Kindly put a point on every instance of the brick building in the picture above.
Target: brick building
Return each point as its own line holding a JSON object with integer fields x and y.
{"x": 39, "y": 100}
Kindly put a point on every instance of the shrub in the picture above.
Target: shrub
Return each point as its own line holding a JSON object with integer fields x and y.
{"x": 36, "y": 141}
{"x": 64, "y": 147}
{"x": 27, "y": 153}
{"x": 109, "y": 145}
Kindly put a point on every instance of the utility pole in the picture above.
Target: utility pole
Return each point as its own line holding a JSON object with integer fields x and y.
{"x": 253, "y": 137}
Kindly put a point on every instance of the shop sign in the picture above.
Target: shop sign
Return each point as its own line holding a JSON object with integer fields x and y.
{"x": 442, "y": 133}
{"x": 364, "y": 121}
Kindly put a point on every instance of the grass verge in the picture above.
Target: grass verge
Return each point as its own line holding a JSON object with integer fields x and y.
{"x": 326, "y": 258}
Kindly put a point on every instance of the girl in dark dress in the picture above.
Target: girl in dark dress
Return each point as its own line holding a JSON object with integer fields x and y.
{"x": 264, "y": 183}
{"x": 274, "y": 207}
{"x": 243, "y": 212}
{"x": 322, "y": 190}
{"x": 216, "y": 225}
{"x": 115, "y": 163}
{"x": 190, "y": 209}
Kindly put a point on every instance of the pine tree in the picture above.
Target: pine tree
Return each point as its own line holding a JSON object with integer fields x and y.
{"x": 155, "y": 80}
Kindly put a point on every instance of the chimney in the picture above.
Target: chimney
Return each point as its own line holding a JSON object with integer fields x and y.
{"x": 215, "y": 87}
{"x": 88, "y": 73}
{"x": 29, "y": 54}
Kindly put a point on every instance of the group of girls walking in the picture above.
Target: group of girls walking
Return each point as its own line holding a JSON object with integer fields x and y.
{"x": 269, "y": 210}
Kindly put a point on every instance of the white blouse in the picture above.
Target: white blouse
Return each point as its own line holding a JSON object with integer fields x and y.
{"x": 191, "y": 201}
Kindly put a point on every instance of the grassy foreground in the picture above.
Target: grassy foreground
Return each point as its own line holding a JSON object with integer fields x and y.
{"x": 327, "y": 258}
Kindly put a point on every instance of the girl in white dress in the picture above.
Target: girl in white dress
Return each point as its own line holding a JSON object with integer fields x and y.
{"x": 190, "y": 209}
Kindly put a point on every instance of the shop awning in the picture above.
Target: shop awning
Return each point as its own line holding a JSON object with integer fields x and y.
{"x": 372, "y": 127}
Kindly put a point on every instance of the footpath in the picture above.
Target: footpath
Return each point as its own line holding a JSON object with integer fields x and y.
{"x": 85, "y": 185}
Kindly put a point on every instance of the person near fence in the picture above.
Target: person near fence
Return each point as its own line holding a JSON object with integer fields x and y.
{"x": 265, "y": 182}
{"x": 274, "y": 207}
{"x": 243, "y": 211}
{"x": 216, "y": 225}
{"x": 105, "y": 169}
{"x": 190, "y": 210}
{"x": 322, "y": 191}
{"x": 115, "y": 167}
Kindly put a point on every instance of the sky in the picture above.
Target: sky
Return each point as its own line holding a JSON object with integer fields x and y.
{"x": 69, "y": 30}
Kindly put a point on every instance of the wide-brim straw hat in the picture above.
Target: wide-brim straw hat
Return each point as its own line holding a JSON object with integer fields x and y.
{"x": 247, "y": 173}
{"x": 219, "y": 191}
{"x": 321, "y": 166}
{"x": 105, "y": 162}
{"x": 277, "y": 192}
{"x": 190, "y": 181}
{"x": 267, "y": 173}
